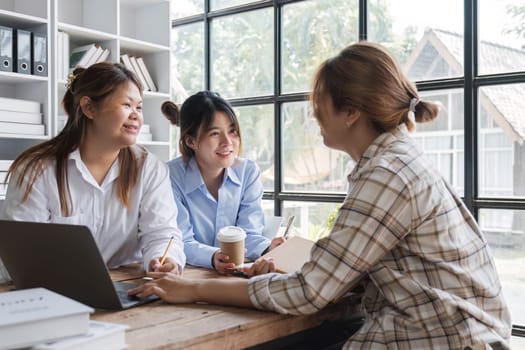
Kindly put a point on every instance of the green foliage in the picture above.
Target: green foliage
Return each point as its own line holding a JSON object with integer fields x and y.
{"x": 320, "y": 231}
{"x": 517, "y": 27}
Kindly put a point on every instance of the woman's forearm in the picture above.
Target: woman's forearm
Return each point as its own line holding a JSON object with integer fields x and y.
{"x": 223, "y": 291}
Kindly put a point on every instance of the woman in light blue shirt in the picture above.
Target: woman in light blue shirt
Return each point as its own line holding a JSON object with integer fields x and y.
{"x": 212, "y": 186}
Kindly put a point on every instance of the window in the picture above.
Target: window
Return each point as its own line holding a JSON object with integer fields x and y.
{"x": 261, "y": 55}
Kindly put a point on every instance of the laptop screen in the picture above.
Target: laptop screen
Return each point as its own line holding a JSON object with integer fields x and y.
{"x": 62, "y": 258}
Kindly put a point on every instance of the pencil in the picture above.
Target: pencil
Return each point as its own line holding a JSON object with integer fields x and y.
{"x": 288, "y": 226}
{"x": 165, "y": 255}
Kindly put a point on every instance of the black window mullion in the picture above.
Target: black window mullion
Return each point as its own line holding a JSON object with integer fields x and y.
{"x": 470, "y": 102}
{"x": 278, "y": 138}
{"x": 363, "y": 20}
{"x": 207, "y": 46}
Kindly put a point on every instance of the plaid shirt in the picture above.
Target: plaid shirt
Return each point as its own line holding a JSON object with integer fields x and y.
{"x": 432, "y": 281}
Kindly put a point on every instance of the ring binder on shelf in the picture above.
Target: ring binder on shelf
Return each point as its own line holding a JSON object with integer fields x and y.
{"x": 23, "y": 51}
{"x": 39, "y": 54}
{"x": 6, "y": 49}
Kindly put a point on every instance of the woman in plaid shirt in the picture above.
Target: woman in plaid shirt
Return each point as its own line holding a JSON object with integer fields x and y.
{"x": 432, "y": 283}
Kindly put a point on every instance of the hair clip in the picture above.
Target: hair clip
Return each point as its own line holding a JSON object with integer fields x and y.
{"x": 70, "y": 79}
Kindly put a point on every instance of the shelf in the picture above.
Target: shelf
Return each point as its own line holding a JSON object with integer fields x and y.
{"x": 33, "y": 10}
{"x": 140, "y": 46}
{"x": 28, "y": 137}
{"x": 147, "y": 21}
{"x": 99, "y": 15}
{"x": 77, "y": 33}
{"x": 19, "y": 78}
{"x": 151, "y": 94}
{"x": 140, "y": 28}
{"x": 20, "y": 21}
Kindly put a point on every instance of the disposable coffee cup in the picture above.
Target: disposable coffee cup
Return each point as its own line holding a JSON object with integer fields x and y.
{"x": 231, "y": 240}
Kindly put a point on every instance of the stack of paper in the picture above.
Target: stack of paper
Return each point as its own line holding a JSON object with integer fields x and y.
{"x": 145, "y": 134}
{"x": 22, "y": 117}
{"x": 31, "y": 316}
{"x": 44, "y": 320}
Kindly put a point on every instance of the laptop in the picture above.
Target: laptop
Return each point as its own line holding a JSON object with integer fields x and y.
{"x": 64, "y": 259}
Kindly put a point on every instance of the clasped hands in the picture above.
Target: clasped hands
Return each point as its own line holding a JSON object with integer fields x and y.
{"x": 222, "y": 264}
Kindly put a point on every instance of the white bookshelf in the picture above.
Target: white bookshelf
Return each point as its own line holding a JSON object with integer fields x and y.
{"x": 133, "y": 27}
{"x": 31, "y": 15}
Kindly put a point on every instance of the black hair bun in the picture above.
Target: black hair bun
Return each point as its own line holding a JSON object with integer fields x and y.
{"x": 171, "y": 112}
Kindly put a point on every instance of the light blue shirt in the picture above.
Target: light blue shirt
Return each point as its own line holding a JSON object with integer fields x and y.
{"x": 200, "y": 216}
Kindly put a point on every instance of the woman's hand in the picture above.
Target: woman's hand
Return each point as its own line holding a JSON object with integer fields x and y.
{"x": 169, "y": 266}
{"x": 277, "y": 241}
{"x": 259, "y": 267}
{"x": 222, "y": 264}
{"x": 169, "y": 287}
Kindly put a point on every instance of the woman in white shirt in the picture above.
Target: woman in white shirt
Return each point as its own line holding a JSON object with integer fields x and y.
{"x": 92, "y": 173}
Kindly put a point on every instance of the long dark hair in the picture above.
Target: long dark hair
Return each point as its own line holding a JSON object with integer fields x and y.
{"x": 198, "y": 112}
{"x": 97, "y": 82}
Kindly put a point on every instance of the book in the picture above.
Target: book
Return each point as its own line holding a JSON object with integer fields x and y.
{"x": 36, "y": 315}
{"x": 64, "y": 55}
{"x": 19, "y": 105}
{"x": 94, "y": 57}
{"x": 80, "y": 56}
{"x": 144, "y": 70}
{"x": 20, "y": 117}
{"x": 22, "y": 128}
{"x": 127, "y": 62}
{"x": 103, "y": 56}
{"x": 139, "y": 74}
{"x": 100, "y": 336}
{"x": 291, "y": 255}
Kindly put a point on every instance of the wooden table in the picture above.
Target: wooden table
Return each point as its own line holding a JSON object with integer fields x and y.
{"x": 201, "y": 326}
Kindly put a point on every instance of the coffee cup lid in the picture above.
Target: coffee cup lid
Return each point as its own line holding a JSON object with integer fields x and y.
{"x": 231, "y": 234}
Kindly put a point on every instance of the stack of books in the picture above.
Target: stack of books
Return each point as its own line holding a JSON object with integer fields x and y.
{"x": 22, "y": 117}
{"x": 81, "y": 56}
{"x": 137, "y": 65}
{"x": 145, "y": 134}
{"x": 40, "y": 319}
{"x": 85, "y": 56}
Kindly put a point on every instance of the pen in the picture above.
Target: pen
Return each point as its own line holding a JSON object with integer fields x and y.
{"x": 165, "y": 255}
{"x": 288, "y": 226}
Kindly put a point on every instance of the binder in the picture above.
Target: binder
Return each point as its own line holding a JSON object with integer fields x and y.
{"x": 23, "y": 51}
{"x": 39, "y": 54}
{"x": 6, "y": 49}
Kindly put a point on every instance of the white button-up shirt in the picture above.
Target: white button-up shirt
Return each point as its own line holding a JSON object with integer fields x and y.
{"x": 123, "y": 235}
